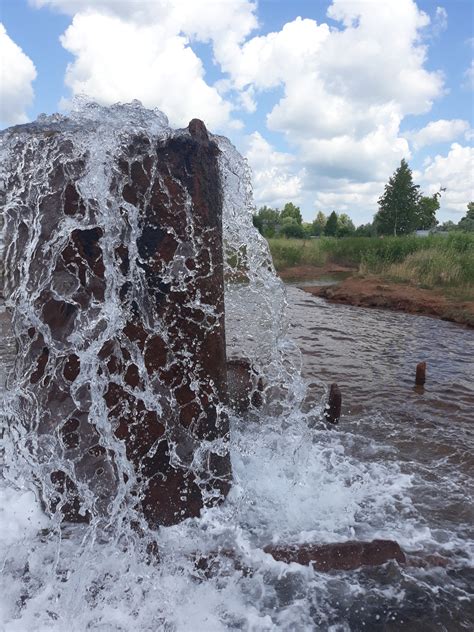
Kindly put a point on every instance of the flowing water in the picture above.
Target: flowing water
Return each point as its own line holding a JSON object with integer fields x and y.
{"x": 397, "y": 467}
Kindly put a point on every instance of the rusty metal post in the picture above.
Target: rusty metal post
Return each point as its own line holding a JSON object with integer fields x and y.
{"x": 156, "y": 382}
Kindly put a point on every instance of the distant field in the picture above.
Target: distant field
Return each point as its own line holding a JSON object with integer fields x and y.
{"x": 432, "y": 262}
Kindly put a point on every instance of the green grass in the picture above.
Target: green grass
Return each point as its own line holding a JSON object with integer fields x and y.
{"x": 435, "y": 261}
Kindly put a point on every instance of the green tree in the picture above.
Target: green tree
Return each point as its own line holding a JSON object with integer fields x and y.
{"x": 267, "y": 221}
{"x": 345, "y": 225}
{"x": 308, "y": 229}
{"x": 290, "y": 210}
{"x": 426, "y": 212}
{"x": 331, "y": 225}
{"x": 447, "y": 226}
{"x": 319, "y": 224}
{"x": 291, "y": 228}
{"x": 397, "y": 214}
{"x": 365, "y": 230}
{"x": 467, "y": 222}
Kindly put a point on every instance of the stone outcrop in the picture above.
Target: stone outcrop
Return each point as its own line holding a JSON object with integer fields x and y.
{"x": 114, "y": 277}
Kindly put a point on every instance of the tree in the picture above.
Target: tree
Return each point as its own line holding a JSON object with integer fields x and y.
{"x": 397, "y": 214}
{"x": 467, "y": 222}
{"x": 331, "y": 225}
{"x": 426, "y": 212}
{"x": 291, "y": 228}
{"x": 365, "y": 230}
{"x": 345, "y": 225}
{"x": 267, "y": 221}
{"x": 308, "y": 229}
{"x": 290, "y": 210}
{"x": 447, "y": 226}
{"x": 319, "y": 224}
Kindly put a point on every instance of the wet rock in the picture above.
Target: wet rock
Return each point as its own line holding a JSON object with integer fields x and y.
{"x": 340, "y": 556}
{"x": 120, "y": 317}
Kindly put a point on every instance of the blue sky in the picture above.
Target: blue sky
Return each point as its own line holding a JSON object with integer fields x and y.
{"x": 323, "y": 97}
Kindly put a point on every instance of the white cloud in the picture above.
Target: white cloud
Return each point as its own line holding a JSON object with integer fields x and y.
{"x": 120, "y": 61}
{"x": 274, "y": 179}
{"x": 345, "y": 91}
{"x": 204, "y": 19}
{"x": 345, "y": 196}
{"x": 17, "y": 72}
{"x": 455, "y": 172}
{"x": 469, "y": 77}
{"x": 141, "y": 50}
{"x": 441, "y": 131}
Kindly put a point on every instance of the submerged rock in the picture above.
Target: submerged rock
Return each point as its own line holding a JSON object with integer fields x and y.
{"x": 114, "y": 280}
{"x": 342, "y": 556}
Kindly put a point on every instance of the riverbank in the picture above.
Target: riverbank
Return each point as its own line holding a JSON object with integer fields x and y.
{"x": 349, "y": 287}
{"x": 432, "y": 276}
{"x": 374, "y": 291}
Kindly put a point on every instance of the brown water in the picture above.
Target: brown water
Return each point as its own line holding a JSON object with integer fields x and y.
{"x": 399, "y": 465}
{"x": 429, "y": 432}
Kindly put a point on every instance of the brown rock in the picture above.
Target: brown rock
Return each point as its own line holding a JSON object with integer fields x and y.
{"x": 343, "y": 556}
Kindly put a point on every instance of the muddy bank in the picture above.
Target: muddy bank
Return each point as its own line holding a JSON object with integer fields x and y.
{"x": 377, "y": 292}
{"x": 311, "y": 273}
{"x": 341, "y": 284}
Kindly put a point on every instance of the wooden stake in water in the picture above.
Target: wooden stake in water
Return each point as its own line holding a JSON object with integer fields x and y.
{"x": 333, "y": 407}
{"x": 420, "y": 377}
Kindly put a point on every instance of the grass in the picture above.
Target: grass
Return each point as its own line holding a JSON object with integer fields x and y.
{"x": 435, "y": 262}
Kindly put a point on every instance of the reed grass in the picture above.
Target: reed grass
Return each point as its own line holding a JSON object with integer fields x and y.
{"x": 435, "y": 262}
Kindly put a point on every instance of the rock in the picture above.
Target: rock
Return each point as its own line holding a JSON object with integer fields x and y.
{"x": 343, "y": 556}
{"x": 118, "y": 313}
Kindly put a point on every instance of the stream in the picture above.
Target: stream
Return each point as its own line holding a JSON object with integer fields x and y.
{"x": 398, "y": 466}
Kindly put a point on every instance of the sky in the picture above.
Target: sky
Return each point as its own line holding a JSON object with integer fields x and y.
{"x": 323, "y": 97}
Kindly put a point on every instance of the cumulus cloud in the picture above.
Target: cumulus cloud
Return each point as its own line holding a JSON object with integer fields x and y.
{"x": 275, "y": 178}
{"x": 342, "y": 90}
{"x": 441, "y": 131}
{"x": 17, "y": 72}
{"x": 346, "y": 196}
{"x": 159, "y": 69}
{"x": 469, "y": 77}
{"x": 453, "y": 171}
{"x": 345, "y": 90}
{"x": 134, "y": 49}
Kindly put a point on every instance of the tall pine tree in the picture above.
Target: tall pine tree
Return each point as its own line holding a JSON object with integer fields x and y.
{"x": 398, "y": 206}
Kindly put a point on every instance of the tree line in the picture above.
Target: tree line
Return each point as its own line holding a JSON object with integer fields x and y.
{"x": 288, "y": 222}
{"x": 403, "y": 209}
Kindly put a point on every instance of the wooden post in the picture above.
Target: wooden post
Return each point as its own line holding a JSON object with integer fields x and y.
{"x": 333, "y": 407}
{"x": 420, "y": 376}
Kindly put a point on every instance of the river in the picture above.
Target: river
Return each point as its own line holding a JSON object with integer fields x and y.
{"x": 427, "y": 433}
{"x": 398, "y": 466}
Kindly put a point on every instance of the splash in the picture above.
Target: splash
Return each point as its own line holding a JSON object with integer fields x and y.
{"x": 117, "y": 571}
